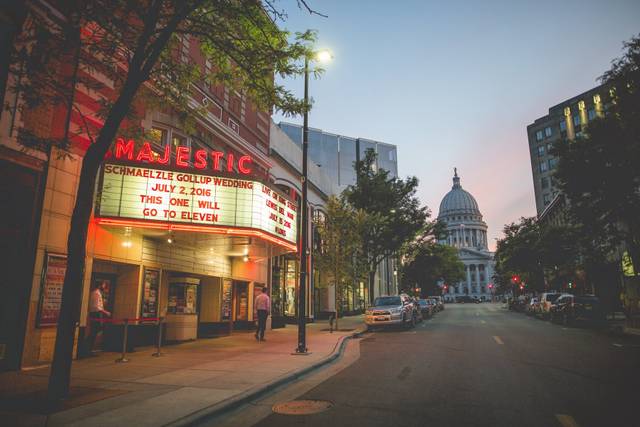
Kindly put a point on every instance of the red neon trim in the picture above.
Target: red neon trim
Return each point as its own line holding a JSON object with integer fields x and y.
{"x": 198, "y": 228}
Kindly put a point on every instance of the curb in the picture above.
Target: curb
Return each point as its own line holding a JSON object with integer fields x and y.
{"x": 250, "y": 395}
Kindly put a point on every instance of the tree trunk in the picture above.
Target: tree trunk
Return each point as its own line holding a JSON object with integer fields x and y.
{"x": 372, "y": 279}
{"x": 59, "y": 377}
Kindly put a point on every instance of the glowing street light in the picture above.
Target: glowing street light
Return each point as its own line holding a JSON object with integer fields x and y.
{"x": 320, "y": 56}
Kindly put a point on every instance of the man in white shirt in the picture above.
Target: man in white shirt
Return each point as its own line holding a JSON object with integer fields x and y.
{"x": 263, "y": 307}
{"x": 96, "y": 312}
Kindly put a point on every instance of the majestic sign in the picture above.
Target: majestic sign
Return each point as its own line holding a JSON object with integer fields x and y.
{"x": 184, "y": 157}
{"x": 165, "y": 196}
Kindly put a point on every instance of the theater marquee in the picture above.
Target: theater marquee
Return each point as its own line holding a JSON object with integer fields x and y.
{"x": 165, "y": 197}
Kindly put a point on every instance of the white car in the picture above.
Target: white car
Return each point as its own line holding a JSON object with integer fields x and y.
{"x": 397, "y": 310}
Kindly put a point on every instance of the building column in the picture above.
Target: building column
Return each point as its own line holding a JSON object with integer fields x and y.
{"x": 468, "y": 268}
{"x": 478, "y": 277}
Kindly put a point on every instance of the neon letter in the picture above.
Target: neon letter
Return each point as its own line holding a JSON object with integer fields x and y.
{"x": 230, "y": 162}
{"x": 241, "y": 167}
{"x": 201, "y": 159}
{"x": 182, "y": 156}
{"x": 216, "y": 159}
{"x": 167, "y": 155}
{"x": 145, "y": 153}
{"x": 122, "y": 148}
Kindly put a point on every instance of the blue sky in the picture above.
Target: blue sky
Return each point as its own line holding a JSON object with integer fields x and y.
{"x": 455, "y": 83}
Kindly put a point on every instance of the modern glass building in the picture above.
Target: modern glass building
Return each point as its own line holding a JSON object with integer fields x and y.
{"x": 336, "y": 154}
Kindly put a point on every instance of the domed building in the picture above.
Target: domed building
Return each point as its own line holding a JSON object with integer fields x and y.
{"x": 467, "y": 232}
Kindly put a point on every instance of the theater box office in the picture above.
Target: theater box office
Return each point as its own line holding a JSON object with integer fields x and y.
{"x": 186, "y": 241}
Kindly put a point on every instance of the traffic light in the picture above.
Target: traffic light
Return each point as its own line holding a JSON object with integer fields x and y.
{"x": 515, "y": 278}
{"x": 570, "y": 285}
{"x": 490, "y": 286}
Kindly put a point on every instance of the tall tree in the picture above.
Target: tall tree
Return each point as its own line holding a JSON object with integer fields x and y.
{"x": 599, "y": 172}
{"x": 428, "y": 263}
{"x": 136, "y": 45}
{"x": 517, "y": 254}
{"x": 341, "y": 259}
{"x": 392, "y": 202}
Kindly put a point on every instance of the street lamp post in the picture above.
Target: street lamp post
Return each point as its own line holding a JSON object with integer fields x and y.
{"x": 304, "y": 232}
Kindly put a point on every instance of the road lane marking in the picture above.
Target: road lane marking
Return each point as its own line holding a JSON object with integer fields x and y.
{"x": 615, "y": 344}
{"x": 498, "y": 340}
{"x": 483, "y": 321}
{"x": 566, "y": 420}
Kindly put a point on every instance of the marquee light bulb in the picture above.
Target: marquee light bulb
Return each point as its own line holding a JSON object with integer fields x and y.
{"x": 169, "y": 240}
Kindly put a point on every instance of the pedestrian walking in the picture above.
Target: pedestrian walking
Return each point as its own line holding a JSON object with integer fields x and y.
{"x": 263, "y": 307}
{"x": 96, "y": 312}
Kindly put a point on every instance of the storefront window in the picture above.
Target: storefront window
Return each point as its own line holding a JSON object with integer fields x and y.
{"x": 290, "y": 287}
{"x": 227, "y": 295}
{"x": 242, "y": 301}
{"x": 276, "y": 290}
{"x": 182, "y": 298}
{"x": 150, "y": 288}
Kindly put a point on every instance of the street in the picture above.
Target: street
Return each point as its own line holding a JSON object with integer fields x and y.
{"x": 481, "y": 365}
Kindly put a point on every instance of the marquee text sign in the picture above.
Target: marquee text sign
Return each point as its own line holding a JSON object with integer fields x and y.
{"x": 145, "y": 193}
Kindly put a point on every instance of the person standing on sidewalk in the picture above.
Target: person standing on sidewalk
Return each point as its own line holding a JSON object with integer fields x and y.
{"x": 96, "y": 313}
{"x": 263, "y": 307}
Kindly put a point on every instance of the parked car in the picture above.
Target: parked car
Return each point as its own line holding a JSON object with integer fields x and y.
{"x": 571, "y": 308}
{"x": 546, "y": 301}
{"x": 532, "y": 307}
{"x": 417, "y": 310}
{"x": 427, "y": 308}
{"x": 439, "y": 302}
{"x": 397, "y": 310}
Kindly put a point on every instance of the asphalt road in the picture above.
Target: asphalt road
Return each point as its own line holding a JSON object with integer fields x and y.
{"x": 481, "y": 365}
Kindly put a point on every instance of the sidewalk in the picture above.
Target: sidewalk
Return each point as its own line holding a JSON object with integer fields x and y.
{"x": 188, "y": 381}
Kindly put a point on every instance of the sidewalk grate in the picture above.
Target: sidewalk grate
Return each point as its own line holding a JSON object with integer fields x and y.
{"x": 301, "y": 407}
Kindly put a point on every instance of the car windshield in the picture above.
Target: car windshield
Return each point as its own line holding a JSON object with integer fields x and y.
{"x": 387, "y": 301}
{"x": 552, "y": 297}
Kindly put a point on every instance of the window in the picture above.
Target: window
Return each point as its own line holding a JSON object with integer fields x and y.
{"x": 591, "y": 113}
{"x": 543, "y": 166}
{"x": 540, "y": 150}
{"x": 178, "y": 140}
{"x": 553, "y": 162}
{"x": 576, "y": 120}
{"x": 549, "y": 147}
{"x": 158, "y": 136}
{"x": 563, "y": 126}
{"x": 547, "y": 131}
{"x": 544, "y": 183}
{"x": 539, "y": 135}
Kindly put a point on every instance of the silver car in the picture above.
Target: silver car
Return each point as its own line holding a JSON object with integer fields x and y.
{"x": 397, "y": 310}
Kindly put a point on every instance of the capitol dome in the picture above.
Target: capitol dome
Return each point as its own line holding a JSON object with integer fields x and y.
{"x": 460, "y": 213}
{"x": 458, "y": 202}
{"x": 467, "y": 232}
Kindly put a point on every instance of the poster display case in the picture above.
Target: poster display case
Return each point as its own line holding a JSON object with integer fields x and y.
{"x": 182, "y": 314}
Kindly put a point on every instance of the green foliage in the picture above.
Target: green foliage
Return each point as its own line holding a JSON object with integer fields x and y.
{"x": 599, "y": 173}
{"x": 131, "y": 43}
{"x": 341, "y": 259}
{"x": 533, "y": 252}
{"x": 392, "y": 201}
{"x": 427, "y": 263}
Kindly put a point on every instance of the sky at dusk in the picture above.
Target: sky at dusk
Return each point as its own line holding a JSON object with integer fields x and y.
{"x": 455, "y": 83}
